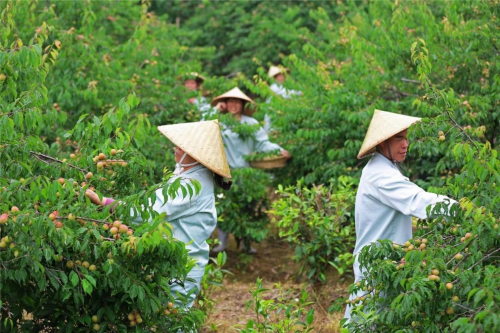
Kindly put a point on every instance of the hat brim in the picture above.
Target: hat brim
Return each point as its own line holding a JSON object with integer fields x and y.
{"x": 383, "y": 126}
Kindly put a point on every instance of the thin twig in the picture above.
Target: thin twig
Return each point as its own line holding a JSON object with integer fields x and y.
{"x": 484, "y": 258}
{"x": 44, "y": 159}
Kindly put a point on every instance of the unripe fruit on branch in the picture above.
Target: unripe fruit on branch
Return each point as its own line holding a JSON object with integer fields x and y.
{"x": 123, "y": 228}
{"x": 102, "y": 156}
{"x": 131, "y": 317}
{"x": 92, "y": 268}
{"x": 14, "y": 209}
{"x": 117, "y": 224}
{"x": 105, "y": 226}
{"x": 113, "y": 230}
{"x": 88, "y": 175}
{"x": 4, "y": 218}
{"x": 96, "y": 327}
{"x": 170, "y": 305}
{"x": 61, "y": 181}
{"x": 52, "y": 216}
{"x": 72, "y": 155}
{"x": 442, "y": 138}
{"x": 468, "y": 235}
{"x": 458, "y": 256}
{"x": 113, "y": 152}
{"x": 100, "y": 165}
{"x": 450, "y": 311}
{"x": 86, "y": 264}
{"x": 70, "y": 264}
{"x": 95, "y": 319}
{"x": 138, "y": 320}
{"x": 166, "y": 312}
{"x": 455, "y": 298}
{"x": 435, "y": 272}
{"x": 449, "y": 285}
{"x": 71, "y": 217}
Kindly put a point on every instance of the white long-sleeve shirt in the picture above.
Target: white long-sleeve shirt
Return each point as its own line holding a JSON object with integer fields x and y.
{"x": 236, "y": 147}
{"x": 385, "y": 202}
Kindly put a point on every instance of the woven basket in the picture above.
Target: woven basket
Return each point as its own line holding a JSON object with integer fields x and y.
{"x": 270, "y": 162}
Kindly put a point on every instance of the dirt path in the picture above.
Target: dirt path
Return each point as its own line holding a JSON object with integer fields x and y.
{"x": 273, "y": 264}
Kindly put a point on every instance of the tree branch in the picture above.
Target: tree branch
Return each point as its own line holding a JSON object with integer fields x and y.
{"x": 48, "y": 159}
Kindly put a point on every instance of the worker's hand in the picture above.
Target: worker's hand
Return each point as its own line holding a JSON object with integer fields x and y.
{"x": 94, "y": 198}
{"x": 285, "y": 153}
{"x": 221, "y": 106}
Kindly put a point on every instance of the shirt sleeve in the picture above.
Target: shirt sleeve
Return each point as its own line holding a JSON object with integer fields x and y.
{"x": 406, "y": 197}
{"x": 262, "y": 143}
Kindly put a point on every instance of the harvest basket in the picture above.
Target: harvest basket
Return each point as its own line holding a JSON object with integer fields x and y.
{"x": 269, "y": 162}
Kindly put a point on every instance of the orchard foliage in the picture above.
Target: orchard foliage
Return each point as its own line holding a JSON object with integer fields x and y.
{"x": 67, "y": 265}
{"x": 80, "y": 79}
{"x": 318, "y": 221}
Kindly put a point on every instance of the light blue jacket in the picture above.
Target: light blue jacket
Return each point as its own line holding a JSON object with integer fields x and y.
{"x": 193, "y": 221}
{"x": 385, "y": 202}
{"x": 279, "y": 90}
{"x": 236, "y": 148}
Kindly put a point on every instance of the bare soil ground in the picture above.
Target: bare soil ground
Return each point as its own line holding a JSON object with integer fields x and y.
{"x": 272, "y": 263}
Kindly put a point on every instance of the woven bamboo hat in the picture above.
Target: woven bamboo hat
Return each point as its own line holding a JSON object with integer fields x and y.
{"x": 192, "y": 75}
{"x": 202, "y": 141}
{"x": 275, "y": 70}
{"x": 383, "y": 126}
{"x": 237, "y": 93}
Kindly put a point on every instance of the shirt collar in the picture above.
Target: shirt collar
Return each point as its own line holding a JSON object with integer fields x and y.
{"x": 379, "y": 158}
{"x": 193, "y": 169}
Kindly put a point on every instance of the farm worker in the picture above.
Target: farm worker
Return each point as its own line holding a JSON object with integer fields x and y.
{"x": 193, "y": 82}
{"x": 277, "y": 74}
{"x": 386, "y": 199}
{"x": 237, "y": 104}
{"x": 199, "y": 155}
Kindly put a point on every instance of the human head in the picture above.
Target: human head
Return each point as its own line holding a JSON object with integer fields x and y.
{"x": 178, "y": 156}
{"x": 191, "y": 84}
{"x": 390, "y": 127}
{"x": 248, "y": 106}
{"x": 280, "y": 78}
{"x": 234, "y": 106}
{"x": 202, "y": 141}
{"x": 396, "y": 147}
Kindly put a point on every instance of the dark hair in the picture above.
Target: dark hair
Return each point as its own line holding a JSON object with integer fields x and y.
{"x": 219, "y": 181}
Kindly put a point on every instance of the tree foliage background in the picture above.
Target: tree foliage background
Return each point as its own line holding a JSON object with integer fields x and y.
{"x": 85, "y": 77}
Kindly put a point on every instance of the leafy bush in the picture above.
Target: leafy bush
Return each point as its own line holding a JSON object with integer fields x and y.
{"x": 319, "y": 222}
{"x": 285, "y": 312}
{"x": 242, "y": 210}
{"x": 63, "y": 266}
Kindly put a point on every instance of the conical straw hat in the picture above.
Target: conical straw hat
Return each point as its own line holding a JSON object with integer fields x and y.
{"x": 383, "y": 126}
{"x": 202, "y": 141}
{"x": 236, "y": 93}
{"x": 192, "y": 75}
{"x": 273, "y": 71}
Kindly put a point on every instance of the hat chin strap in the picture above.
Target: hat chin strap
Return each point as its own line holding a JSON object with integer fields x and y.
{"x": 179, "y": 167}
